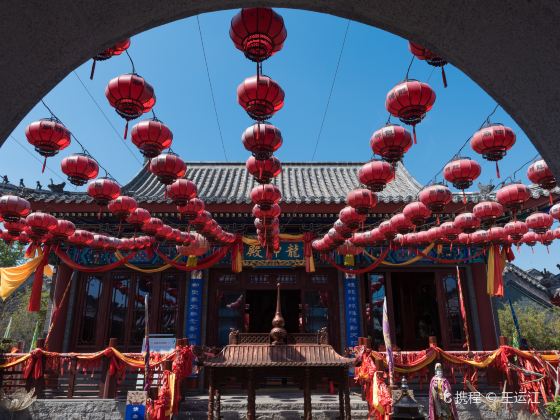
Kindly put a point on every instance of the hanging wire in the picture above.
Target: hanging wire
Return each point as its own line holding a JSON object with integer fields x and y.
{"x": 36, "y": 158}
{"x": 512, "y": 176}
{"x": 84, "y": 150}
{"x": 486, "y": 121}
{"x": 211, "y": 89}
{"x": 331, "y": 89}
{"x": 131, "y": 61}
{"x": 107, "y": 119}
{"x": 409, "y": 66}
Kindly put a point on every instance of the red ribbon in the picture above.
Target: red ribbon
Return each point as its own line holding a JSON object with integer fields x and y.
{"x": 34, "y": 367}
{"x": 359, "y": 270}
{"x": 99, "y": 269}
{"x": 36, "y": 289}
{"x": 308, "y": 249}
{"x": 209, "y": 261}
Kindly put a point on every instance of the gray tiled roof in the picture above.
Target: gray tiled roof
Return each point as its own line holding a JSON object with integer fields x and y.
{"x": 219, "y": 182}
{"x": 299, "y": 183}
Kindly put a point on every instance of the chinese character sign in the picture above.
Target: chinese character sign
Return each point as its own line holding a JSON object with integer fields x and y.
{"x": 194, "y": 310}
{"x": 352, "y": 310}
{"x": 290, "y": 254}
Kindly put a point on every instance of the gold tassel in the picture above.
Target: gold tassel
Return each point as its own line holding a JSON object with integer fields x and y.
{"x": 349, "y": 260}
{"x": 192, "y": 261}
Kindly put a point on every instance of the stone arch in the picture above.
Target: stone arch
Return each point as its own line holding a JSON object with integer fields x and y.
{"x": 510, "y": 50}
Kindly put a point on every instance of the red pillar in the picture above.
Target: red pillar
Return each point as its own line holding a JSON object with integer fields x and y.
{"x": 56, "y": 338}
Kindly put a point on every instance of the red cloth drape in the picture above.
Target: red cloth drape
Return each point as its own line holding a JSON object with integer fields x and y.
{"x": 99, "y": 269}
{"x": 358, "y": 270}
{"x": 36, "y": 289}
{"x": 209, "y": 261}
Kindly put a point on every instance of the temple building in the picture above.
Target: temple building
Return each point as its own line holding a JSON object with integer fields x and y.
{"x": 206, "y": 305}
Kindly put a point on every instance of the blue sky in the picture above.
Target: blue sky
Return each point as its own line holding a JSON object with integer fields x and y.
{"x": 170, "y": 58}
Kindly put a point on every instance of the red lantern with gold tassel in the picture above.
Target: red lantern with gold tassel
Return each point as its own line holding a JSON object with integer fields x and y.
{"x": 493, "y": 142}
{"x": 424, "y": 54}
{"x": 461, "y": 172}
{"x": 539, "y": 173}
{"x": 48, "y": 136}
{"x": 258, "y": 31}
{"x": 131, "y": 96}
{"x": 409, "y": 101}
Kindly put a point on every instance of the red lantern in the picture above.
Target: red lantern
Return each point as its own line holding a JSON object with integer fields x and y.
{"x": 103, "y": 190}
{"x": 467, "y": 222}
{"x": 131, "y": 96}
{"x": 152, "y": 225}
{"x": 262, "y": 140}
{"x": 434, "y": 235}
{"x": 417, "y": 212}
{"x": 15, "y": 226}
{"x": 79, "y": 168}
{"x": 263, "y": 170}
{"x": 497, "y": 235}
{"x": 12, "y": 208}
{"x": 164, "y": 233}
{"x": 100, "y": 242}
{"x": 530, "y": 238}
{"x": 335, "y": 236}
{"x": 376, "y": 175}
{"x": 430, "y": 57}
{"x": 488, "y": 211}
{"x": 138, "y": 217}
{"x": 449, "y": 231}
{"x": 351, "y": 218}
{"x": 391, "y": 143}
{"x": 423, "y": 238}
{"x": 260, "y": 213}
{"x": 435, "y": 197}
{"x": 258, "y": 31}
{"x": 539, "y": 222}
{"x": 48, "y": 136}
{"x": 480, "y": 237}
{"x": 151, "y": 137}
{"x": 539, "y": 173}
{"x": 63, "y": 230}
{"x": 197, "y": 247}
{"x": 513, "y": 196}
{"x": 493, "y": 142}
{"x": 342, "y": 228}
{"x": 461, "y": 172}
{"x": 547, "y": 238}
{"x": 260, "y": 96}
{"x": 516, "y": 230}
{"x": 265, "y": 195}
{"x": 409, "y": 101}
{"x": 167, "y": 167}
{"x": 554, "y": 211}
{"x": 201, "y": 220}
{"x": 116, "y": 49}
{"x": 362, "y": 200}
{"x": 557, "y": 233}
{"x": 181, "y": 191}
{"x": 401, "y": 223}
{"x": 464, "y": 239}
{"x": 387, "y": 229}
{"x": 122, "y": 206}
{"x": 81, "y": 238}
{"x": 40, "y": 224}
{"x": 192, "y": 209}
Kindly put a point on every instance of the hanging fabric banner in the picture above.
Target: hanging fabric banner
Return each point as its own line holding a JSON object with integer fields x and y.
{"x": 92, "y": 269}
{"x": 463, "y": 310}
{"x": 388, "y": 343}
{"x": 13, "y": 277}
{"x": 37, "y": 287}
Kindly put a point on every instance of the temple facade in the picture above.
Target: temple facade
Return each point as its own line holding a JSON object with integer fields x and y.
{"x": 206, "y": 305}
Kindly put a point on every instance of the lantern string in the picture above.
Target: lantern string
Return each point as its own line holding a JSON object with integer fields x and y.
{"x": 211, "y": 89}
{"x": 131, "y": 62}
{"x": 84, "y": 150}
{"x": 514, "y": 174}
{"x": 409, "y": 66}
{"x": 107, "y": 118}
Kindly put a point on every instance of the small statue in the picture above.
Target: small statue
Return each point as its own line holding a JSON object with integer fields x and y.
{"x": 5, "y": 179}
{"x": 39, "y": 186}
{"x": 442, "y": 405}
{"x": 57, "y": 188}
{"x": 21, "y": 184}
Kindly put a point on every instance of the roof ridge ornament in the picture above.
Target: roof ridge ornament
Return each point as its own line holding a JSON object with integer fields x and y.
{"x": 278, "y": 333}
